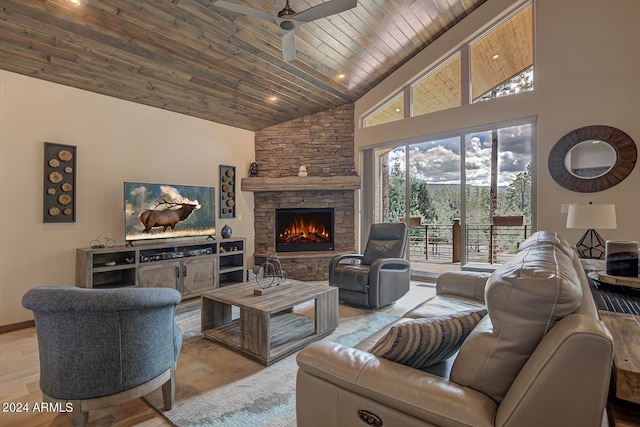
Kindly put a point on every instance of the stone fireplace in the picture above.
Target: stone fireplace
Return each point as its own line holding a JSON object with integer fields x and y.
{"x": 322, "y": 142}
{"x": 304, "y": 265}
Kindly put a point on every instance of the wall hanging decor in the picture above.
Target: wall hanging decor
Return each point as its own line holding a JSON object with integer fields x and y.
{"x": 227, "y": 191}
{"x": 578, "y": 163}
{"x": 59, "y": 183}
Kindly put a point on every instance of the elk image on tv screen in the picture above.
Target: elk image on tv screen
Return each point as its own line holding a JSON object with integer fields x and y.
{"x": 158, "y": 211}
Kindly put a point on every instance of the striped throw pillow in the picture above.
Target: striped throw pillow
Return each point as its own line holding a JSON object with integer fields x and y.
{"x": 424, "y": 342}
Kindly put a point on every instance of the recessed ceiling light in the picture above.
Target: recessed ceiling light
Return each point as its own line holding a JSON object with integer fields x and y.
{"x": 496, "y": 56}
{"x": 341, "y": 76}
{"x": 398, "y": 110}
{"x": 273, "y": 98}
{"x": 76, "y": 2}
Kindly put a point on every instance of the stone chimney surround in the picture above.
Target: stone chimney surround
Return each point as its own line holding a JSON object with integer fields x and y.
{"x": 323, "y": 143}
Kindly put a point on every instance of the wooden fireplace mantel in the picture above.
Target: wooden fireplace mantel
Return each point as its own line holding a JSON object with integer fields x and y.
{"x": 283, "y": 256}
{"x": 296, "y": 183}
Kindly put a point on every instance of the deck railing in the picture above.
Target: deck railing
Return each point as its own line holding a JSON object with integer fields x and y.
{"x": 486, "y": 243}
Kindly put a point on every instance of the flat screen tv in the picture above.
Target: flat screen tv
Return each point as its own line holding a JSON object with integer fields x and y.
{"x": 159, "y": 211}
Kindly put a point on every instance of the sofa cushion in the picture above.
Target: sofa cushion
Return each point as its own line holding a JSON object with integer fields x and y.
{"x": 548, "y": 238}
{"x": 438, "y": 305}
{"x": 525, "y": 297}
{"x": 420, "y": 343}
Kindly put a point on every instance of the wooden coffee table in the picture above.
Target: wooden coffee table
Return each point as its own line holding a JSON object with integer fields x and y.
{"x": 269, "y": 327}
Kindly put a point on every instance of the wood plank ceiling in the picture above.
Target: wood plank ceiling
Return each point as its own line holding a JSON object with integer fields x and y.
{"x": 194, "y": 58}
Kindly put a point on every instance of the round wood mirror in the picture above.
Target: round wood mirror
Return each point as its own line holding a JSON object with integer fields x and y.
{"x": 592, "y": 158}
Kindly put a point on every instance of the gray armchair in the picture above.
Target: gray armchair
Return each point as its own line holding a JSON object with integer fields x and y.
{"x": 100, "y": 347}
{"x": 378, "y": 277}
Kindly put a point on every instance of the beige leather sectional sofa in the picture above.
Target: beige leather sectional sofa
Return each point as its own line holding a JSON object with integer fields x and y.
{"x": 540, "y": 357}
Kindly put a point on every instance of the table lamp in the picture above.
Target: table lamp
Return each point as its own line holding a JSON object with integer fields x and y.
{"x": 591, "y": 217}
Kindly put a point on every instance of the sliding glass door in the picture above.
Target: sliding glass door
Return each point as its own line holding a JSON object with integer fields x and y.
{"x": 391, "y": 185}
{"x": 467, "y": 198}
{"x": 434, "y": 204}
{"x": 497, "y": 193}
{"x": 420, "y": 184}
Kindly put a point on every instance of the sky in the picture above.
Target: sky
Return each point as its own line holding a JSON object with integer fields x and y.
{"x": 438, "y": 162}
{"x": 153, "y": 193}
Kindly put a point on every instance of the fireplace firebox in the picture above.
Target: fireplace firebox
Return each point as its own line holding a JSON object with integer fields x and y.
{"x": 304, "y": 229}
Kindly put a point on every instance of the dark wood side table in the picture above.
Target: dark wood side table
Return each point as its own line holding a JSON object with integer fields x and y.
{"x": 625, "y": 329}
{"x": 623, "y": 406}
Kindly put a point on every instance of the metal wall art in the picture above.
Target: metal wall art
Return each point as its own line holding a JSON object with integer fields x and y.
{"x": 59, "y": 183}
{"x": 227, "y": 191}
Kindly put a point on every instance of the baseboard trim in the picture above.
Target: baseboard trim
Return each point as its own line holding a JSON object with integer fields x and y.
{"x": 17, "y": 326}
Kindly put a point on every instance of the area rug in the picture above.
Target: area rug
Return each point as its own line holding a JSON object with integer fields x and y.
{"x": 617, "y": 299}
{"x": 221, "y": 388}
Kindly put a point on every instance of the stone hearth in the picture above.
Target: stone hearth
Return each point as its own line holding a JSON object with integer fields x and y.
{"x": 322, "y": 142}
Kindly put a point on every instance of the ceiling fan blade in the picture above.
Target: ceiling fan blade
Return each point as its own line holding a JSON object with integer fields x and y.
{"x": 325, "y": 9}
{"x": 289, "y": 46}
{"x": 246, "y": 10}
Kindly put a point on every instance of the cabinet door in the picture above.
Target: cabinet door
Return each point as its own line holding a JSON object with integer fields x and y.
{"x": 162, "y": 275}
{"x": 198, "y": 275}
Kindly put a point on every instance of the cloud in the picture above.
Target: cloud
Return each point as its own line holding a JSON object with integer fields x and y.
{"x": 175, "y": 196}
{"x": 438, "y": 162}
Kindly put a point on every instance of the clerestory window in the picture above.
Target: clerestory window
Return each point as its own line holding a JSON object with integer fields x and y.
{"x": 500, "y": 64}
{"x": 390, "y": 111}
{"x": 502, "y": 59}
{"x": 439, "y": 89}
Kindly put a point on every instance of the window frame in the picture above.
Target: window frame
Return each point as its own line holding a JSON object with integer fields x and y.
{"x": 465, "y": 69}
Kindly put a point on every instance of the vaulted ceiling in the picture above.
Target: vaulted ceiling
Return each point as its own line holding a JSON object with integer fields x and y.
{"x": 192, "y": 57}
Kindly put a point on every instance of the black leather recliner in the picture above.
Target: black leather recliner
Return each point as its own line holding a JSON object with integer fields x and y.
{"x": 378, "y": 277}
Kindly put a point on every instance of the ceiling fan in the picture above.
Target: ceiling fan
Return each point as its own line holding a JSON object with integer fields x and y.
{"x": 288, "y": 19}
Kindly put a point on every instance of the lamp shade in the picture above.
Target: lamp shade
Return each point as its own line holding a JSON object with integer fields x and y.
{"x": 591, "y": 216}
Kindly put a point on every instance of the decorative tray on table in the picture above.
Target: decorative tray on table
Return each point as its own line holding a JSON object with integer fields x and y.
{"x": 603, "y": 277}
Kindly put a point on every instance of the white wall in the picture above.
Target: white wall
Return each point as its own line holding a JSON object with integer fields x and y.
{"x": 587, "y": 72}
{"x": 116, "y": 141}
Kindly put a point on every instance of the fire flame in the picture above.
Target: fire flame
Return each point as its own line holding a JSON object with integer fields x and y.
{"x": 304, "y": 228}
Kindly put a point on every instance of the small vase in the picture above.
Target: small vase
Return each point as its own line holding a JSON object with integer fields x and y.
{"x": 226, "y": 232}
